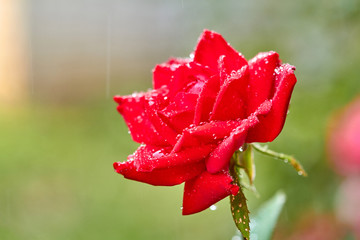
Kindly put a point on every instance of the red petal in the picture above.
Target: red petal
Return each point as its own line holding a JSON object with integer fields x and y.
{"x": 141, "y": 129}
{"x": 147, "y": 158}
{"x": 211, "y": 46}
{"x": 163, "y": 73}
{"x": 261, "y": 69}
{"x": 206, "y": 100}
{"x": 208, "y": 133}
{"x": 205, "y": 190}
{"x": 160, "y": 177}
{"x": 180, "y": 112}
{"x": 219, "y": 159}
{"x": 154, "y": 103}
{"x": 230, "y": 102}
{"x": 270, "y": 125}
{"x": 177, "y": 75}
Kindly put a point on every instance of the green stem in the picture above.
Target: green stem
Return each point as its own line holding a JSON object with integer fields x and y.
{"x": 286, "y": 158}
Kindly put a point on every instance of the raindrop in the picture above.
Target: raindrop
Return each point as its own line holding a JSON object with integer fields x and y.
{"x": 213, "y": 207}
{"x": 181, "y": 208}
{"x": 300, "y": 173}
{"x": 158, "y": 154}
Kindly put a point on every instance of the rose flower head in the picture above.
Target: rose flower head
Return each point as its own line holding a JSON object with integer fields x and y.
{"x": 200, "y": 111}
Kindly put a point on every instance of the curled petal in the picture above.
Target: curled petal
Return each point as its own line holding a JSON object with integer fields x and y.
{"x": 177, "y": 74}
{"x": 148, "y": 158}
{"x": 272, "y": 123}
{"x": 230, "y": 102}
{"x": 206, "y": 100}
{"x": 208, "y": 133}
{"x": 132, "y": 108}
{"x": 262, "y": 77}
{"x": 211, "y": 46}
{"x": 180, "y": 112}
{"x": 160, "y": 177}
{"x": 205, "y": 190}
{"x": 215, "y": 131}
{"x": 153, "y": 104}
{"x": 219, "y": 159}
{"x": 163, "y": 73}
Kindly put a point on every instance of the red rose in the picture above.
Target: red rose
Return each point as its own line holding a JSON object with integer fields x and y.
{"x": 203, "y": 109}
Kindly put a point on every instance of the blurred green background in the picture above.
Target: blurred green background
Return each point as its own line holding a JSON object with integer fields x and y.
{"x": 60, "y": 132}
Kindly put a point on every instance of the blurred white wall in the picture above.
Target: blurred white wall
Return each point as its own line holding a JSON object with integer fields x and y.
{"x": 14, "y": 70}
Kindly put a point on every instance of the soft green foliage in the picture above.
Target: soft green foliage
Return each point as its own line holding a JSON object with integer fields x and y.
{"x": 264, "y": 221}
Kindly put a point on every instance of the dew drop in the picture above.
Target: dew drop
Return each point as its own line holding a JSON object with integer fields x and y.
{"x": 158, "y": 154}
{"x": 213, "y": 207}
{"x": 236, "y": 238}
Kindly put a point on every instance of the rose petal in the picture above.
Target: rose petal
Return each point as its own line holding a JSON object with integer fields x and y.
{"x": 270, "y": 125}
{"x": 211, "y": 46}
{"x": 230, "y": 102}
{"x": 176, "y": 75}
{"x": 219, "y": 159}
{"x": 180, "y": 112}
{"x": 206, "y": 100}
{"x": 215, "y": 131}
{"x": 205, "y": 190}
{"x": 163, "y": 73}
{"x": 147, "y": 158}
{"x": 208, "y": 133}
{"x": 160, "y": 177}
{"x": 261, "y": 69}
{"x": 153, "y": 104}
{"x": 132, "y": 108}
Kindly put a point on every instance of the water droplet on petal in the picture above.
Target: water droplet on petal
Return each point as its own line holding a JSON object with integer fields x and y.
{"x": 158, "y": 154}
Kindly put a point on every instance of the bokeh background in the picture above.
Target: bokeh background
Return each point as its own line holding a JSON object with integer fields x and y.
{"x": 62, "y": 61}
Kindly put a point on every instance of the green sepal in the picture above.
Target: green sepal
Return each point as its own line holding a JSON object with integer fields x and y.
{"x": 281, "y": 156}
{"x": 245, "y": 159}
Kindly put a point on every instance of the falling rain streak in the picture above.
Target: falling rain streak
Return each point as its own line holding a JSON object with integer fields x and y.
{"x": 108, "y": 57}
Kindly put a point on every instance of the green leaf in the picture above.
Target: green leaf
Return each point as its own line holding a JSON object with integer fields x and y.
{"x": 263, "y": 224}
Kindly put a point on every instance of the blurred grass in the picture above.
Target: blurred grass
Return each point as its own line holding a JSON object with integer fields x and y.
{"x": 57, "y": 181}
